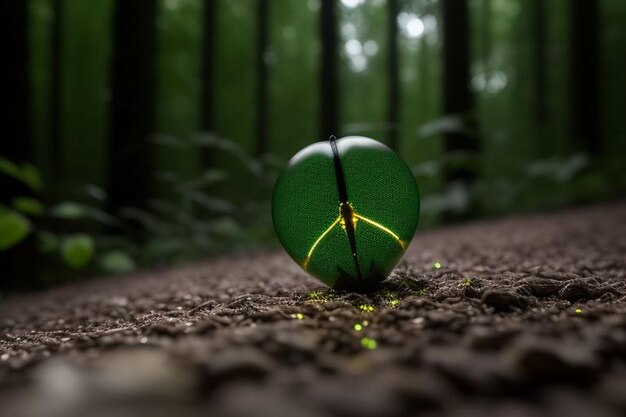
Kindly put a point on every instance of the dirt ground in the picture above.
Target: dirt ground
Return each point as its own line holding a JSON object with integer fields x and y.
{"x": 517, "y": 317}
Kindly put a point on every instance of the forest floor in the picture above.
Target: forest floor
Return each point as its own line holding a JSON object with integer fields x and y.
{"x": 524, "y": 316}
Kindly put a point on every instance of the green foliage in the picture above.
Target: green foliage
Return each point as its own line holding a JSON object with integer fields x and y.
{"x": 526, "y": 160}
{"x": 13, "y": 228}
{"x": 541, "y": 183}
{"x": 71, "y": 210}
{"x": 192, "y": 221}
{"x": 116, "y": 262}
{"x": 24, "y": 173}
{"x": 77, "y": 250}
{"x": 68, "y": 210}
{"x": 204, "y": 214}
{"x": 29, "y": 206}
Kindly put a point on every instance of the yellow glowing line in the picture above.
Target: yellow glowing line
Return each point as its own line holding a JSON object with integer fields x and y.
{"x": 340, "y": 219}
{"x": 383, "y": 228}
{"x": 305, "y": 264}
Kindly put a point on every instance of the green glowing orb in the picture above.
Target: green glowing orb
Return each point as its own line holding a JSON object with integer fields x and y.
{"x": 345, "y": 210}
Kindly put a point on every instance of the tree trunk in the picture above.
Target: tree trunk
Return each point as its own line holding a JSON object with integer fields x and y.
{"x": 207, "y": 76}
{"x": 261, "y": 68}
{"x": 457, "y": 97}
{"x": 16, "y": 144}
{"x": 55, "y": 90}
{"x": 486, "y": 33}
{"x": 584, "y": 57}
{"x": 329, "y": 65}
{"x": 20, "y": 264}
{"x": 133, "y": 103}
{"x": 539, "y": 61}
{"x": 393, "y": 103}
{"x": 536, "y": 25}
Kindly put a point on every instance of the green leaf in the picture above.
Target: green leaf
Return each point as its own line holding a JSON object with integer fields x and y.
{"x": 30, "y": 176}
{"x": 8, "y": 167}
{"x": 117, "y": 262}
{"x": 68, "y": 210}
{"x": 27, "y": 174}
{"x": 96, "y": 192}
{"x": 13, "y": 228}
{"x": 28, "y": 205}
{"x": 77, "y": 250}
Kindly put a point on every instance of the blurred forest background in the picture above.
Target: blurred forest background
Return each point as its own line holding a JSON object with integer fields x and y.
{"x": 148, "y": 132}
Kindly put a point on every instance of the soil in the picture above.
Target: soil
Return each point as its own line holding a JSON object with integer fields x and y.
{"x": 525, "y": 316}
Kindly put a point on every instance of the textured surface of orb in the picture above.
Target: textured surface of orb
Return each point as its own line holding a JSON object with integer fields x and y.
{"x": 345, "y": 210}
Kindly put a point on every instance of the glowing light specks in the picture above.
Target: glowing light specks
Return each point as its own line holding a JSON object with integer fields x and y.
{"x": 369, "y": 343}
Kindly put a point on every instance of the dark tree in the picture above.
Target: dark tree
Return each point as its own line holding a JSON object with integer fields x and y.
{"x": 133, "y": 102}
{"x": 262, "y": 34}
{"x": 538, "y": 28}
{"x": 55, "y": 89}
{"x": 457, "y": 97}
{"x": 486, "y": 33}
{"x": 536, "y": 25}
{"x": 393, "y": 103}
{"x": 329, "y": 66}
{"x": 207, "y": 75}
{"x": 584, "y": 57}
{"x": 16, "y": 142}
{"x": 19, "y": 264}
